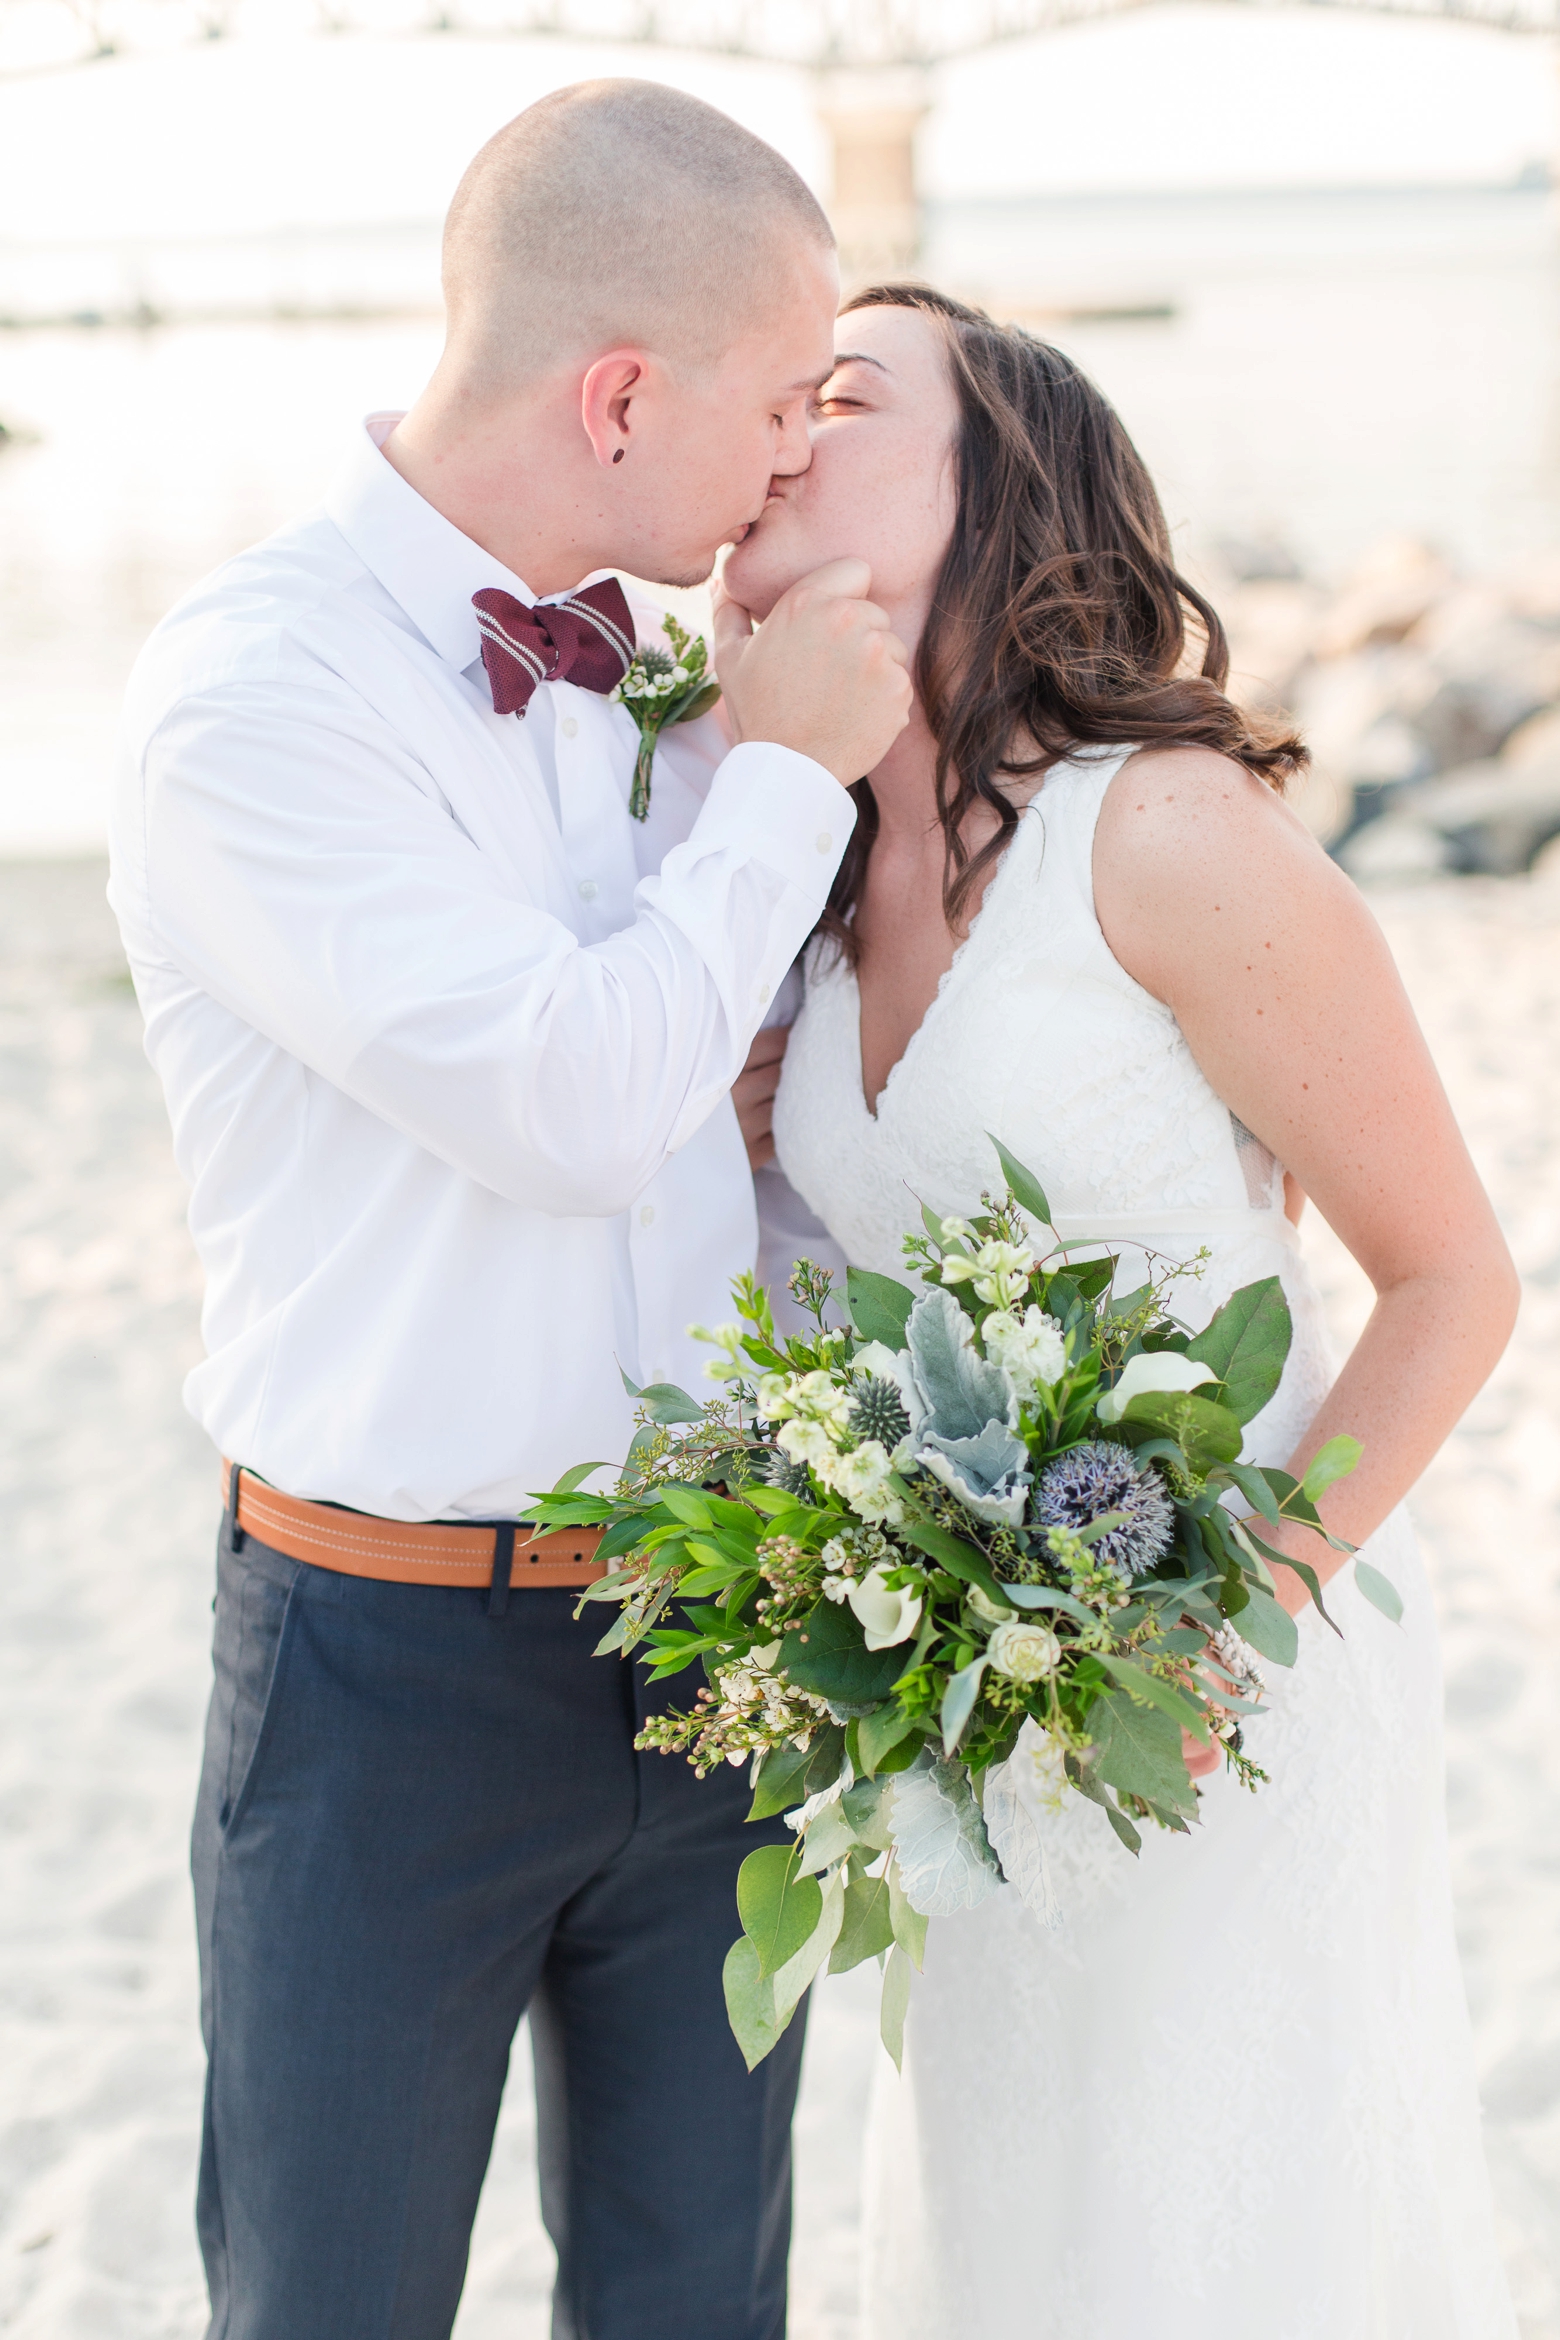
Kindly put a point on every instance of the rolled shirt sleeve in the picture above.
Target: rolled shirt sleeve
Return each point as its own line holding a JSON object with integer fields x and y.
{"x": 299, "y": 865}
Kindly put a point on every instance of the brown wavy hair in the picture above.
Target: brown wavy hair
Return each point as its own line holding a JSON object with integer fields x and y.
{"x": 1059, "y": 619}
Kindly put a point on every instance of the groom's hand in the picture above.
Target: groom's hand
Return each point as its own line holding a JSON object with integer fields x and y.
{"x": 825, "y": 673}
{"x": 754, "y": 1094}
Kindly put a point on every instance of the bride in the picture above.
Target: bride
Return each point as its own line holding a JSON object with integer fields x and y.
{"x": 1230, "y": 2097}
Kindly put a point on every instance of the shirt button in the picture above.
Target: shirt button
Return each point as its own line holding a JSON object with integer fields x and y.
{"x": 588, "y": 889}
{"x": 647, "y": 1214}
{"x": 825, "y": 841}
{"x": 568, "y": 727}
{"x": 763, "y": 995}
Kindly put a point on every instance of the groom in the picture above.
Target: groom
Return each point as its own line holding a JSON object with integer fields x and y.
{"x": 448, "y": 1041}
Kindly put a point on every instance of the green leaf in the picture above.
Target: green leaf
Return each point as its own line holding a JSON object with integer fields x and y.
{"x": 1302, "y": 1568}
{"x": 958, "y": 1702}
{"x": 577, "y": 1477}
{"x": 779, "y": 1787}
{"x": 1329, "y": 1464}
{"x": 750, "y": 2003}
{"x": 879, "y": 1307}
{"x": 1138, "y": 1748}
{"x": 1023, "y": 1185}
{"x": 829, "y": 1837}
{"x": 1246, "y": 1345}
{"x": 960, "y": 1559}
{"x": 909, "y": 1924}
{"x": 1379, "y": 1590}
{"x": 1207, "y": 1433}
{"x": 877, "y": 1732}
{"x": 869, "y": 1809}
{"x": 779, "y": 1908}
{"x": 868, "y": 1926}
{"x": 1256, "y": 1490}
{"x": 1270, "y": 1629}
{"x": 828, "y": 1655}
{"x": 825, "y": 1757}
{"x": 1039, "y": 1596}
{"x": 895, "y": 2006}
{"x": 1122, "y": 1825}
{"x": 1140, "y": 1683}
{"x": 688, "y": 1507}
{"x": 663, "y": 1401}
{"x": 700, "y": 704}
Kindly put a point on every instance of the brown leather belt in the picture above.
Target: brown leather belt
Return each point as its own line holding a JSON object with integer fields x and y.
{"x": 402, "y": 1551}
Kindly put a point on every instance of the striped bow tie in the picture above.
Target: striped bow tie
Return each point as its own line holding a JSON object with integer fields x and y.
{"x": 585, "y": 638}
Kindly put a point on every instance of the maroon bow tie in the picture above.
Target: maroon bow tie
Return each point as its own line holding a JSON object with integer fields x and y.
{"x": 585, "y": 638}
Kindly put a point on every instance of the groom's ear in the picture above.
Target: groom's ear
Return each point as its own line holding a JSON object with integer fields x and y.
{"x": 611, "y": 389}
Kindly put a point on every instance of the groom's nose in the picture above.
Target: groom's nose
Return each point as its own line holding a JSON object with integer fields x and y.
{"x": 793, "y": 450}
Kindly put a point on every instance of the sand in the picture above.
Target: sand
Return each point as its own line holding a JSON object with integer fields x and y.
{"x": 110, "y": 1506}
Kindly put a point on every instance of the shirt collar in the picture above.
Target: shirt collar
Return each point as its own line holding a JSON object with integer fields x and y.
{"x": 422, "y": 560}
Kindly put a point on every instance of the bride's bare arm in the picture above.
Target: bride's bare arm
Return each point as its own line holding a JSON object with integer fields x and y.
{"x": 1213, "y": 896}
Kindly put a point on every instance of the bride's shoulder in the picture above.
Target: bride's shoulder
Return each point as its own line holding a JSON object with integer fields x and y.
{"x": 1193, "y": 851}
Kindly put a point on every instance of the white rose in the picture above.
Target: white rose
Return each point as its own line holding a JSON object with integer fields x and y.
{"x": 1030, "y": 1349}
{"x": 1025, "y": 1653}
{"x": 1161, "y": 1369}
{"x": 886, "y": 1616}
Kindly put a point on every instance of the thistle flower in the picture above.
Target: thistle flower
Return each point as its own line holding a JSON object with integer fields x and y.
{"x": 1081, "y": 1487}
{"x": 790, "y": 1477}
{"x": 878, "y": 1411}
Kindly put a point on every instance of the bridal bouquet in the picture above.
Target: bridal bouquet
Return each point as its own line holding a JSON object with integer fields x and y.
{"x": 946, "y": 1566}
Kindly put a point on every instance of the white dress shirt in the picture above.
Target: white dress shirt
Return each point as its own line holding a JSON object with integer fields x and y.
{"x": 447, "y": 1038}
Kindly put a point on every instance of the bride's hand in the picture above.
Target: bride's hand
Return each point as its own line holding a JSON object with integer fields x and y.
{"x": 753, "y": 1094}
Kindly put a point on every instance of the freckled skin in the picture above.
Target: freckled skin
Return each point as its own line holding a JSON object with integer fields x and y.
{"x": 1339, "y": 1085}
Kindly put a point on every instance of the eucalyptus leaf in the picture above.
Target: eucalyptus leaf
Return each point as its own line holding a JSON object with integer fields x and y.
{"x": 663, "y": 1401}
{"x": 827, "y": 1654}
{"x": 868, "y": 1925}
{"x": 909, "y": 1924}
{"x": 895, "y": 2005}
{"x": 779, "y": 1787}
{"x": 1140, "y": 1683}
{"x": 879, "y": 1307}
{"x": 828, "y": 1839}
{"x": 778, "y": 1907}
{"x": 1379, "y": 1590}
{"x": 1040, "y": 1596}
{"x": 869, "y": 1808}
{"x": 1023, "y": 1185}
{"x": 958, "y": 1702}
{"x": 1123, "y": 1827}
{"x": 750, "y": 2003}
{"x": 1138, "y": 1749}
{"x": 1253, "y": 1485}
{"x": 1329, "y": 1464}
{"x": 877, "y": 1732}
{"x": 1246, "y": 1344}
{"x": 1270, "y": 1629}
{"x": 1206, "y": 1432}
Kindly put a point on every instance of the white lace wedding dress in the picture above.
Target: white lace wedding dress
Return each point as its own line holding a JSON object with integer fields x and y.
{"x": 1230, "y": 2097}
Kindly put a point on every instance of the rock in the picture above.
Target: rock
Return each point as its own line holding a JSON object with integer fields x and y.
{"x": 1395, "y": 846}
{"x": 1535, "y": 742}
{"x": 1394, "y": 586}
{"x": 1270, "y": 624}
{"x": 1493, "y": 816}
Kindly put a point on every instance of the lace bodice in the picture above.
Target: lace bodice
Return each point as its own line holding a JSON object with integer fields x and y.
{"x": 1039, "y": 1035}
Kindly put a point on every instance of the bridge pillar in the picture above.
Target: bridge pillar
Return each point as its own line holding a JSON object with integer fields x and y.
{"x": 872, "y": 116}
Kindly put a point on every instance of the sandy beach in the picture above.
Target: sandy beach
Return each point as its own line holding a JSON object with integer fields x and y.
{"x": 110, "y": 1506}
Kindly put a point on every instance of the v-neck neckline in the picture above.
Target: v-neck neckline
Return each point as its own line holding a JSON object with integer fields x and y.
{"x": 945, "y": 981}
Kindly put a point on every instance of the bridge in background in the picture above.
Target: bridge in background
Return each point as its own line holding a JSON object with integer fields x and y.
{"x": 873, "y": 61}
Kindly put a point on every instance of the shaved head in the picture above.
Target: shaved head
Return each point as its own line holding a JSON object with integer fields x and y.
{"x": 619, "y": 214}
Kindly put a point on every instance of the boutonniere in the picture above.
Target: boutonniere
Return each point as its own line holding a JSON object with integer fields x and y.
{"x": 661, "y": 687}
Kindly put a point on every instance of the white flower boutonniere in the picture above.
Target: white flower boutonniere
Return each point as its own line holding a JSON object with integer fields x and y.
{"x": 661, "y": 687}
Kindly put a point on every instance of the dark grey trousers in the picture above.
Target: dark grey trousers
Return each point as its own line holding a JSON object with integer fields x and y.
{"x": 415, "y": 1822}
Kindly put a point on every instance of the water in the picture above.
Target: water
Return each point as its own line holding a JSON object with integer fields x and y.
{"x": 1332, "y": 366}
